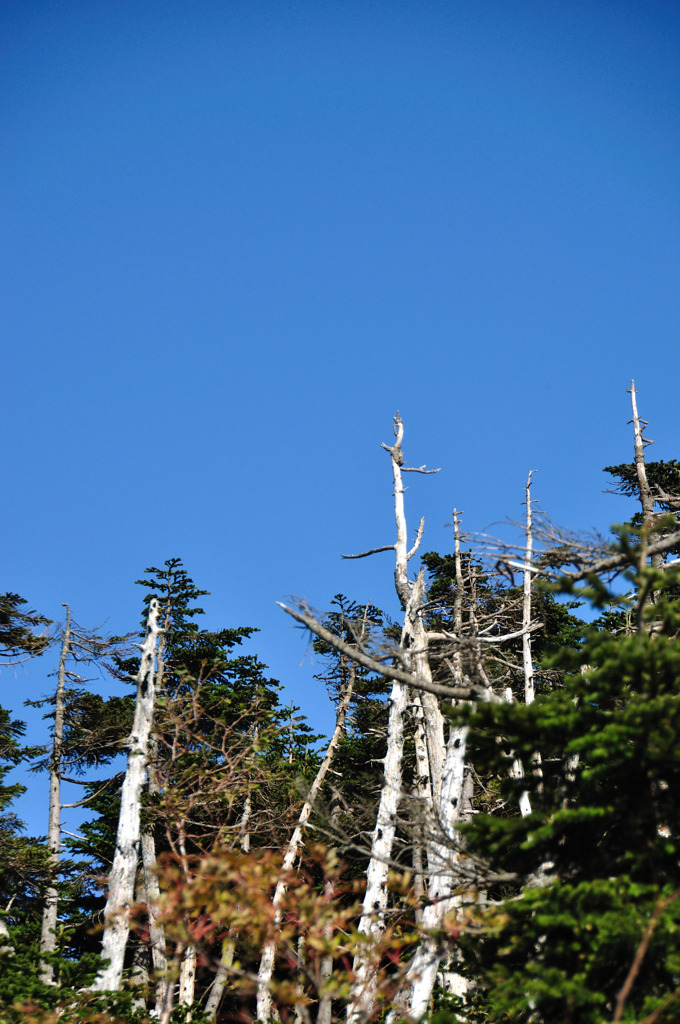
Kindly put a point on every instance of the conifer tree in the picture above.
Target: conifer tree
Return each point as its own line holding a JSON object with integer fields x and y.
{"x": 584, "y": 929}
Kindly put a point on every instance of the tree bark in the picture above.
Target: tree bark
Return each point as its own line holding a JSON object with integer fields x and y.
{"x": 48, "y": 932}
{"x": 648, "y": 503}
{"x": 122, "y": 877}
{"x": 187, "y": 979}
{"x": 517, "y": 770}
{"x": 444, "y": 849}
{"x": 527, "y": 659}
{"x": 429, "y": 748}
{"x": 422, "y": 973}
{"x": 216, "y": 992}
{"x": 371, "y": 923}
{"x": 152, "y": 894}
{"x": 264, "y": 976}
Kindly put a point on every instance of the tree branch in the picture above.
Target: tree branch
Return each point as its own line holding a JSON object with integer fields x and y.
{"x": 373, "y": 551}
{"x": 388, "y": 671}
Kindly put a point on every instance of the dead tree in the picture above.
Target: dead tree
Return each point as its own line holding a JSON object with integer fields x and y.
{"x": 121, "y": 882}
{"x": 442, "y": 795}
{"x": 48, "y": 934}
{"x": 84, "y": 647}
{"x": 444, "y": 847}
{"x": 264, "y": 975}
{"x": 415, "y": 661}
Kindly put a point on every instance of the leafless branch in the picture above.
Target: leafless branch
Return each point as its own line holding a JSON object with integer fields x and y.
{"x": 419, "y": 537}
{"x": 621, "y": 998}
{"x": 373, "y": 551}
{"x": 371, "y": 663}
{"x": 445, "y": 635}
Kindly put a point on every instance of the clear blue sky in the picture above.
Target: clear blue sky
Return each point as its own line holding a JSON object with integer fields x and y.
{"x": 238, "y": 236}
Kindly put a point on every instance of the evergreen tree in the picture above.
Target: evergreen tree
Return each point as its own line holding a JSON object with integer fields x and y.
{"x": 582, "y": 920}
{"x": 24, "y": 871}
{"x": 18, "y": 638}
{"x": 353, "y": 793}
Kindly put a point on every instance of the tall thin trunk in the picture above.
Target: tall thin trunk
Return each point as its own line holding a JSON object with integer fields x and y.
{"x": 214, "y": 999}
{"x": 216, "y": 992}
{"x": 414, "y": 641}
{"x": 264, "y": 976}
{"x": 159, "y": 958}
{"x": 324, "y": 1014}
{"x": 517, "y": 769}
{"x": 645, "y": 491}
{"x": 152, "y": 893}
{"x": 122, "y": 877}
{"x": 139, "y": 967}
{"x": 527, "y": 659}
{"x": 444, "y": 850}
{"x": 648, "y": 504}
{"x": 372, "y": 923}
{"x": 48, "y": 932}
{"x": 422, "y": 973}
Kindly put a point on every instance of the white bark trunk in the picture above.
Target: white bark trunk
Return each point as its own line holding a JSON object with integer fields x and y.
{"x": 647, "y": 501}
{"x": 216, "y": 992}
{"x": 527, "y": 659}
{"x": 48, "y": 932}
{"x": 429, "y": 749}
{"x": 122, "y": 877}
{"x": 152, "y": 893}
{"x": 325, "y": 1012}
{"x": 527, "y": 655}
{"x": 646, "y": 496}
{"x": 264, "y": 976}
{"x": 159, "y": 958}
{"x": 375, "y": 898}
{"x": 214, "y": 999}
{"x": 6, "y": 948}
{"x": 187, "y": 979}
{"x": 517, "y": 769}
{"x": 422, "y": 973}
{"x": 443, "y": 852}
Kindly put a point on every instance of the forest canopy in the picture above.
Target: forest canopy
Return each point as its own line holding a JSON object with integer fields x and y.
{"x": 489, "y": 834}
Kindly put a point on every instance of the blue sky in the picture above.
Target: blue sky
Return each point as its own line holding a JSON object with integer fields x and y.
{"x": 238, "y": 236}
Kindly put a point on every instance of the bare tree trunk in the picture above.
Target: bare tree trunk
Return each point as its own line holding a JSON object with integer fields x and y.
{"x": 264, "y": 976}
{"x": 324, "y": 1013}
{"x": 517, "y": 769}
{"x": 48, "y": 932}
{"x": 122, "y": 877}
{"x": 375, "y": 897}
{"x": 646, "y": 496}
{"x": 152, "y": 894}
{"x": 139, "y": 967}
{"x": 444, "y": 849}
{"x": 6, "y": 949}
{"x": 187, "y": 978}
{"x": 214, "y": 999}
{"x": 527, "y": 659}
{"x": 422, "y": 973}
{"x": 430, "y": 745}
{"x": 216, "y": 992}
{"x": 298, "y": 1015}
{"x": 647, "y": 502}
{"x": 159, "y": 958}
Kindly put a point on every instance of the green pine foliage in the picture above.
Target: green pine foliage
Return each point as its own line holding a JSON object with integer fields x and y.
{"x": 573, "y": 888}
{"x": 574, "y": 910}
{"x": 353, "y": 791}
{"x": 18, "y": 637}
